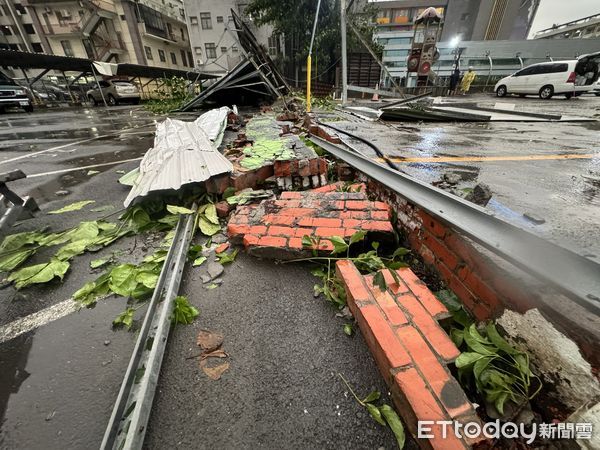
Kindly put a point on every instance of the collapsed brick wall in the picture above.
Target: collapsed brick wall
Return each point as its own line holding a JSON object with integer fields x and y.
{"x": 484, "y": 287}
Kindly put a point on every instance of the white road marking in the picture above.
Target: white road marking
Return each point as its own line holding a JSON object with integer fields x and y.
{"x": 54, "y": 172}
{"x": 37, "y": 319}
{"x": 29, "y": 155}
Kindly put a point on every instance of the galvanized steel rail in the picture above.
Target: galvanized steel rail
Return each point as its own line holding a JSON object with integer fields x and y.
{"x": 128, "y": 422}
{"x": 577, "y": 277}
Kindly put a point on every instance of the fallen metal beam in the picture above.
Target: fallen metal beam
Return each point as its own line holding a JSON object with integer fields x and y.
{"x": 407, "y": 100}
{"x": 12, "y": 206}
{"x": 374, "y": 91}
{"x": 129, "y": 419}
{"x": 577, "y": 277}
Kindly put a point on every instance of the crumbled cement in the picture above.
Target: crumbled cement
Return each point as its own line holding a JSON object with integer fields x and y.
{"x": 215, "y": 269}
{"x": 555, "y": 356}
{"x": 588, "y": 415}
{"x": 480, "y": 195}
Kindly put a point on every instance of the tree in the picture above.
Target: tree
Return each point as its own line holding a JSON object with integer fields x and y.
{"x": 294, "y": 19}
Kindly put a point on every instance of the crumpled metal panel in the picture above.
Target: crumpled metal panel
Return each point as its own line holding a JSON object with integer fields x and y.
{"x": 183, "y": 153}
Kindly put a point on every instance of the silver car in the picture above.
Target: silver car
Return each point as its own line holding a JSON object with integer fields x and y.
{"x": 115, "y": 92}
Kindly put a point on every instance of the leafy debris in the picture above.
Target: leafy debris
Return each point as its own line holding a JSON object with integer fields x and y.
{"x": 72, "y": 207}
{"x": 183, "y": 312}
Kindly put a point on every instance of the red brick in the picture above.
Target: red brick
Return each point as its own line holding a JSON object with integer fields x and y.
{"x": 436, "y": 336}
{"x": 389, "y": 306}
{"x": 423, "y": 406}
{"x": 339, "y": 205}
{"x": 223, "y": 208}
{"x": 270, "y": 241}
{"x": 433, "y": 225}
{"x": 250, "y": 239}
{"x": 358, "y": 204}
{"x": 322, "y": 165}
{"x": 443, "y": 385}
{"x": 258, "y": 229}
{"x": 354, "y": 223}
{"x": 380, "y": 337}
{"x": 294, "y": 167}
{"x": 313, "y": 165}
{"x": 462, "y": 292}
{"x": 278, "y": 220}
{"x": 236, "y": 230}
{"x": 427, "y": 255}
{"x": 396, "y": 287}
{"x": 286, "y": 203}
{"x": 221, "y": 248}
{"x": 297, "y": 212}
{"x": 328, "y": 188}
{"x": 481, "y": 289}
{"x": 440, "y": 250}
{"x": 380, "y": 215}
{"x": 304, "y": 168}
{"x": 377, "y": 226}
{"x": 382, "y": 206}
{"x": 354, "y": 215}
{"x": 281, "y": 231}
{"x": 295, "y": 243}
{"x": 329, "y": 232}
{"x": 353, "y": 281}
{"x": 287, "y": 195}
{"x": 282, "y": 168}
{"x": 326, "y": 222}
{"x": 422, "y": 292}
{"x": 325, "y": 245}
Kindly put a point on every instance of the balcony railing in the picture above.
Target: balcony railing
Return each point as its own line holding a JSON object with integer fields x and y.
{"x": 62, "y": 28}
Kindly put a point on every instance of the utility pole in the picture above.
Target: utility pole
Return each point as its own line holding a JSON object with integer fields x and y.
{"x": 344, "y": 55}
{"x": 309, "y": 59}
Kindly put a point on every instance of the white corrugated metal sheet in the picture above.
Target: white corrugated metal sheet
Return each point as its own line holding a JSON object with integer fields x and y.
{"x": 183, "y": 153}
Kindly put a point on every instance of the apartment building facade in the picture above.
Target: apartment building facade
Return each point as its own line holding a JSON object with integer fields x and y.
{"x": 212, "y": 34}
{"x": 146, "y": 32}
{"x": 584, "y": 28}
{"x": 462, "y": 20}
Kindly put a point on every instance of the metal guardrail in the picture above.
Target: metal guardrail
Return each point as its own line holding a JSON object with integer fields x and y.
{"x": 129, "y": 419}
{"x": 575, "y": 276}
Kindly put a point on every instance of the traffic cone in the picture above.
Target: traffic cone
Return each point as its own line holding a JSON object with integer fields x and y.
{"x": 376, "y": 95}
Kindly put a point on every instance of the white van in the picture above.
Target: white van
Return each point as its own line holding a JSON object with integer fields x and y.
{"x": 568, "y": 78}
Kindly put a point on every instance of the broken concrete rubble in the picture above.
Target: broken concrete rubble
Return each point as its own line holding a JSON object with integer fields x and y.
{"x": 275, "y": 227}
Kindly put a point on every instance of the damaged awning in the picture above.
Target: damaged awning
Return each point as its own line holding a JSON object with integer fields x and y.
{"x": 183, "y": 153}
{"x": 253, "y": 80}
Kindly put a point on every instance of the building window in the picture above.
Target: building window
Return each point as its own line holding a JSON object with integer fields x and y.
{"x": 6, "y": 11}
{"x": 193, "y": 20}
{"x": 148, "y": 51}
{"x": 173, "y": 58}
{"x": 6, "y": 31}
{"x": 190, "y": 59}
{"x": 205, "y": 21}
{"x": 183, "y": 58}
{"x": 211, "y": 50}
{"x": 219, "y": 19}
{"x": 182, "y": 34}
{"x": 20, "y": 9}
{"x": 66, "y": 45}
{"x": 229, "y": 19}
{"x": 28, "y": 28}
{"x": 234, "y": 48}
{"x": 273, "y": 45}
{"x": 198, "y": 50}
{"x": 161, "y": 55}
{"x": 37, "y": 47}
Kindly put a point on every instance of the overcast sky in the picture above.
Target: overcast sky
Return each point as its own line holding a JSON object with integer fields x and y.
{"x": 560, "y": 11}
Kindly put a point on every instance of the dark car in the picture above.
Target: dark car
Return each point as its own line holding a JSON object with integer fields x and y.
{"x": 11, "y": 94}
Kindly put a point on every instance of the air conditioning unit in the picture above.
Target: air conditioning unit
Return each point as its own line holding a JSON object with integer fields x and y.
{"x": 65, "y": 13}
{"x": 47, "y": 9}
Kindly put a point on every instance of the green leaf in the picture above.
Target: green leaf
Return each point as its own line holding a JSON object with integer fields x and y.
{"x": 103, "y": 208}
{"x": 199, "y": 261}
{"x": 400, "y": 251}
{"x": 212, "y": 286}
{"x": 457, "y": 336}
{"x": 183, "y": 312}
{"x": 357, "y": 237}
{"x": 499, "y": 341}
{"x": 92, "y": 172}
{"x": 375, "y": 245}
{"x": 17, "y": 241}
{"x": 122, "y": 279}
{"x": 227, "y": 258}
{"x": 372, "y": 397}
{"x": 92, "y": 291}
{"x": 208, "y": 228}
{"x": 307, "y": 241}
{"x": 148, "y": 279}
{"x": 211, "y": 214}
{"x": 474, "y": 343}
{"x": 194, "y": 251}
{"x": 72, "y": 249}
{"x": 72, "y": 207}
{"x": 339, "y": 245}
{"x": 14, "y": 259}
{"x": 179, "y": 210}
{"x": 375, "y": 413}
{"x": 124, "y": 319}
{"x": 379, "y": 281}
{"x": 499, "y": 403}
{"x": 170, "y": 220}
{"x": 466, "y": 359}
{"x": 348, "y": 329}
{"x": 96, "y": 263}
{"x": 229, "y": 191}
{"x": 40, "y": 273}
{"x": 84, "y": 231}
{"x": 395, "y": 424}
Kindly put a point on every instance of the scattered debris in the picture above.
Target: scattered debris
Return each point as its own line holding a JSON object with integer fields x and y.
{"x": 215, "y": 270}
{"x": 209, "y": 341}
{"x": 221, "y": 248}
{"x": 248, "y": 195}
{"x": 480, "y": 195}
{"x": 533, "y": 218}
{"x": 214, "y": 372}
{"x": 62, "y": 192}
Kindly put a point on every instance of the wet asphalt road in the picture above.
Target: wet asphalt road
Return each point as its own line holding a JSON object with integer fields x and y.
{"x": 58, "y": 382}
{"x": 553, "y": 189}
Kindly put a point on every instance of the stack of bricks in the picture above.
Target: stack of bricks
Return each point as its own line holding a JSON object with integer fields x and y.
{"x": 275, "y": 228}
{"x": 400, "y": 327}
{"x": 305, "y": 173}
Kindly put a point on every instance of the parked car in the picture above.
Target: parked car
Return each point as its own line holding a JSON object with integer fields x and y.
{"x": 115, "y": 92}
{"x": 11, "y": 94}
{"x": 569, "y": 78}
{"x": 596, "y": 89}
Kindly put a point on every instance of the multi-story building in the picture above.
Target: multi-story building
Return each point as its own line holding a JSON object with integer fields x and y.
{"x": 462, "y": 20}
{"x": 146, "y": 32}
{"x": 585, "y": 28}
{"x": 213, "y": 40}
